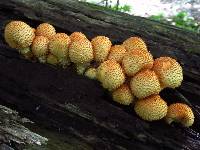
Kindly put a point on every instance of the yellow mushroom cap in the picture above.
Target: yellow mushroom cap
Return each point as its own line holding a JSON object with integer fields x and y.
{"x": 136, "y": 60}
{"x": 39, "y": 46}
{"x": 134, "y": 43}
{"x": 117, "y": 53}
{"x": 91, "y": 73}
{"x": 77, "y": 36}
{"x": 45, "y": 29}
{"x": 18, "y": 34}
{"x": 51, "y": 59}
{"x": 110, "y": 74}
{"x": 181, "y": 113}
{"x": 123, "y": 95}
{"x": 101, "y": 46}
{"x": 151, "y": 108}
{"x": 145, "y": 83}
{"x": 169, "y": 71}
{"x": 58, "y": 45}
{"x": 81, "y": 51}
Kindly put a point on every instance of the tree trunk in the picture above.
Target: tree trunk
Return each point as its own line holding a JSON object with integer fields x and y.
{"x": 79, "y": 107}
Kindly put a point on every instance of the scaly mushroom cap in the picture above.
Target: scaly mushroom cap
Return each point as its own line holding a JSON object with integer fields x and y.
{"x": 135, "y": 43}
{"x": 39, "y": 46}
{"x": 58, "y": 45}
{"x": 75, "y": 36}
{"x": 91, "y": 73}
{"x": 18, "y": 34}
{"x": 51, "y": 59}
{"x": 145, "y": 83}
{"x": 81, "y": 51}
{"x": 136, "y": 60}
{"x": 151, "y": 108}
{"x": 45, "y": 29}
{"x": 110, "y": 74}
{"x": 123, "y": 95}
{"x": 169, "y": 72}
{"x": 181, "y": 113}
{"x": 101, "y": 46}
{"x": 117, "y": 53}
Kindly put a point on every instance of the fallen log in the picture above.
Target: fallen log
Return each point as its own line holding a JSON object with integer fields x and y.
{"x": 60, "y": 99}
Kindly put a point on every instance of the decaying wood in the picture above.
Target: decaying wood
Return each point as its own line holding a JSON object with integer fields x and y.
{"x": 79, "y": 107}
{"x": 12, "y": 130}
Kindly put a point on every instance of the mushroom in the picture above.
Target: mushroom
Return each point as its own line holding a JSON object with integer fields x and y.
{"x": 91, "y": 73}
{"x": 110, "y": 74}
{"x": 136, "y": 60}
{"x": 117, "y": 53}
{"x": 18, "y": 35}
{"x": 123, "y": 95}
{"x": 39, "y": 48}
{"x": 145, "y": 83}
{"x": 45, "y": 29}
{"x": 181, "y": 113}
{"x": 151, "y": 108}
{"x": 51, "y": 59}
{"x": 169, "y": 72}
{"x": 134, "y": 43}
{"x": 101, "y": 46}
{"x": 81, "y": 51}
{"x": 75, "y": 36}
{"x": 59, "y": 47}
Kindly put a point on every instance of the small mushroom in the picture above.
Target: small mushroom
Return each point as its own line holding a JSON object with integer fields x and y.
{"x": 91, "y": 73}
{"x": 110, "y": 74}
{"x": 135, "y": 61}
{"x": 134, "y": 43}
{"x": 81, "y": 51}
{"x": 51, "y": 59}
{"x": 145, "y": 83}
{"x": 123, "y": 95}
{"x": 117, "y": 53}
{"x": 45, "y": 29}
{"x": 101, "y": 46}
{"x": 75, "y": 36}
{"x": 59, "y": 47}
{"x": 18, "y": 34}
{"x": 39, "y": 48}
{"x": 169, "y": 72}
{"x": 151, "y": 108}
{"x": 181, "y": 113}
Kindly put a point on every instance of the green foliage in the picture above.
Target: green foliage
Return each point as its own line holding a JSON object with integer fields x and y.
{"x": 124, "y": 8}
{"x": 182, "y": 20}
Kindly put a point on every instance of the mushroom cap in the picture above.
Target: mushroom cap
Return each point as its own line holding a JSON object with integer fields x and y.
{"x": 58, "y": 45}
{"x": 123, "y": 95}
{"x": 179, "y": 112}
{"x": 145, "y": 83}
{"x": 133, "y": 43}
{"x": 39, "y": 46}
{"x": 18, "y": 34}
{"x": 91, "y": 73}
{"x": 81, "y": 51}
{"x": 75, "y": 36}
{"x": 169, "y": 72}
{"x": 51, "y": 59}
{"x": 101, "y": 46}
{"x": 117, "y": 53}
{"x": 45, "y": 29}
{"x": 136, "y": 60}
{"x": 151, "y": 108}
{"x": 110, "y": 74}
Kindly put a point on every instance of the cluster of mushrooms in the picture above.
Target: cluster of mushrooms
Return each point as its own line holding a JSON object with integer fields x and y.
{"x": 128, "y": 70}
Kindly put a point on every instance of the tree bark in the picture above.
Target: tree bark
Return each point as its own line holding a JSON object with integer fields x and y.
{"x": 77, "y": 106}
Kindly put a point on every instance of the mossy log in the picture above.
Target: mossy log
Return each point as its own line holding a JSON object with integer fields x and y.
{"x": 79, "y": 107}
